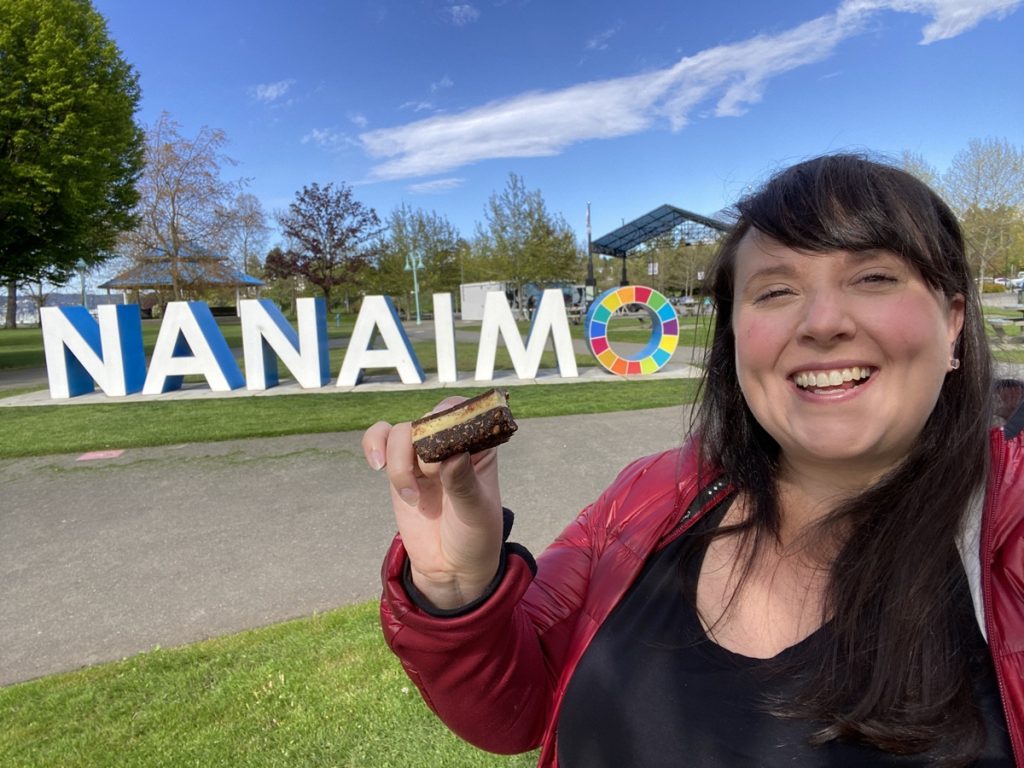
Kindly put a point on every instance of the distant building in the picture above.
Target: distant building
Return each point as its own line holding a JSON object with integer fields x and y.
{"x": 27, "y": 312}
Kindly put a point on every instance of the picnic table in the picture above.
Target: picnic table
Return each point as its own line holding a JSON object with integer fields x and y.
{"x": 1003, "y": 325}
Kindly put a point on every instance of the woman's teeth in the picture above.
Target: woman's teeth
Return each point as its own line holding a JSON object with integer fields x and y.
{"x": 831, "y": 378}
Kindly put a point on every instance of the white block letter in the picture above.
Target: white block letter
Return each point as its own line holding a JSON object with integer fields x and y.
{"x": 378, "y": 313}
{"x": 444, "y": 338}
{"x": 267, "y": 337}
{"x": 79, "y": 351}
{"x": 191, "y": 343}
{"x": 549, "y": 318}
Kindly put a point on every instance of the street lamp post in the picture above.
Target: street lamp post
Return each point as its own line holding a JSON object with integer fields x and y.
{"x": 413, "y": 262}
{"x": 590, "y": 284}
{"x": 81, "y": 276}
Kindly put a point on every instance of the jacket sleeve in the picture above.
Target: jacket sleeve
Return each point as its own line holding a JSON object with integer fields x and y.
{"x": 491, "y": 674}
{"x": 482, "y": 672}
{"x": 1002, "y": 554}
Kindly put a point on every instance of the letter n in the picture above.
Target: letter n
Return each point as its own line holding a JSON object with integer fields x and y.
{"x": 268, "y": 337}
{"x": 81, "y": 352}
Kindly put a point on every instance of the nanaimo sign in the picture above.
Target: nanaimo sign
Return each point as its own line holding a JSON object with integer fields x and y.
{"x": 83, "y": 352}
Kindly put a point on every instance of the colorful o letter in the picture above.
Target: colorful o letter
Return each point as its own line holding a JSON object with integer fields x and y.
{"x": 664, "y": 330}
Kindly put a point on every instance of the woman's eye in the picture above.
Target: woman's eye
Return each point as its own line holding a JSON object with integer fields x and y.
{"x": 772, "y": 293}
{"x": 878, "y": 278}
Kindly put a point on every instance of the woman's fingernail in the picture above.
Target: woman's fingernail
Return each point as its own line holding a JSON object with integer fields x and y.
{"x": 376, "y": 460}
{"x": 409, "y": 496}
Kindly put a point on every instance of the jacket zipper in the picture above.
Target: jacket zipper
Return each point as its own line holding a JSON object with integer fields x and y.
{"x": 706, "y": 499}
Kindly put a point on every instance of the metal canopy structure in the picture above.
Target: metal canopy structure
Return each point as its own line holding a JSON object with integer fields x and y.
{"x": 695, "y": 229}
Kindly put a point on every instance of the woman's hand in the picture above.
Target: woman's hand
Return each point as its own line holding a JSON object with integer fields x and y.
{"x": 449, "y": 513}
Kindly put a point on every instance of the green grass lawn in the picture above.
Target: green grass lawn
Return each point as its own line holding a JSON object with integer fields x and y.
{"x": 321, "y": 691}
{"x": 21, "y": 348}
{"x": 1010, "y": 352}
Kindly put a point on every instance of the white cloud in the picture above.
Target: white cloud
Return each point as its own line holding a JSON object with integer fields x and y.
{"x": 358, "y": 119}
{"x": 736, "y": 75}
{"x": 435, "y": 186}
{"x": 442, "y": 84}
{"x": 463, "y": 14}
{"x": 599, "y": 42}
{"x": 726, "y": 78}
{"x": 328, "y": 138}
{"x": 418, "y": 106}
{"x": 270, "y": 92}
{"x": 530, "y": 125}
{"x": 949, "y": 17}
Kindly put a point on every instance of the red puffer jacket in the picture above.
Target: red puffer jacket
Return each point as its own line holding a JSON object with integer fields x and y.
{"x": 496, "y": 676}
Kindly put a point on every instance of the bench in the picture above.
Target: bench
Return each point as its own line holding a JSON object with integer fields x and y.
{"x": 1007, "y": 331}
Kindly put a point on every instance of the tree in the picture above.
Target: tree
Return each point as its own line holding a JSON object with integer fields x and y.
{"x": 278, "y": 271}
{"x": 328, "y": 232}
{"x": 70, "y": 150}
{"x": 916, "y": 165}
{"x": 249, "y": 231}
{"x": 985, "y": 187}
{"x": 39, "y": 294}
{"x": 680, "y": 263}
{"x": 524, "y": 241}
{"x": 185, "y": 207}
{"x": 428, "y": 237}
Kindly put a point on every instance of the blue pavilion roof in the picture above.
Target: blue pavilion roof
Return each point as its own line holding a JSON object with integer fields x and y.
{"x": 154, "y": 272}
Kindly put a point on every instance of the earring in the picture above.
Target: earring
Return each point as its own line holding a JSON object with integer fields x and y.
{"x": 954, "y": 363}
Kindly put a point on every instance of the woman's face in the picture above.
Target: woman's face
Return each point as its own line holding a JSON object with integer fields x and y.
{"x": 840, "y": 355}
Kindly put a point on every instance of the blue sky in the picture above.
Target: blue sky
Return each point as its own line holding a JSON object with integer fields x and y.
{"x": 626, "y": 106}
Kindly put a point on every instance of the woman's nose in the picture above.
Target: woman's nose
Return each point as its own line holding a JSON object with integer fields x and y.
{"x": 826, "y": 318}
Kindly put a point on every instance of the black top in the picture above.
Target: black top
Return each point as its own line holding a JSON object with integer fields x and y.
{"x": 653, "y": 690}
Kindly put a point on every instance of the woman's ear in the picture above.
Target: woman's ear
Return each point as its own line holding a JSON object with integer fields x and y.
{"x": 955, "y": 318}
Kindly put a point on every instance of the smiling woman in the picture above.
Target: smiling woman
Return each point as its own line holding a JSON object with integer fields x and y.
{"x": 838, "y": 264}
{"x": 827, "y": 574}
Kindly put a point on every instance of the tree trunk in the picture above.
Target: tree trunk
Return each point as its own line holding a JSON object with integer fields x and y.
{"x": 12, "y": 304}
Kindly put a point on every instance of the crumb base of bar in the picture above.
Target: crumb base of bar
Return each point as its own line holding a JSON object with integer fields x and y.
{"x": 479, "y": 433}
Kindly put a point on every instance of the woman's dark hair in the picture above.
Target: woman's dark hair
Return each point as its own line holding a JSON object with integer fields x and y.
{"x": 894, "y": 675}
